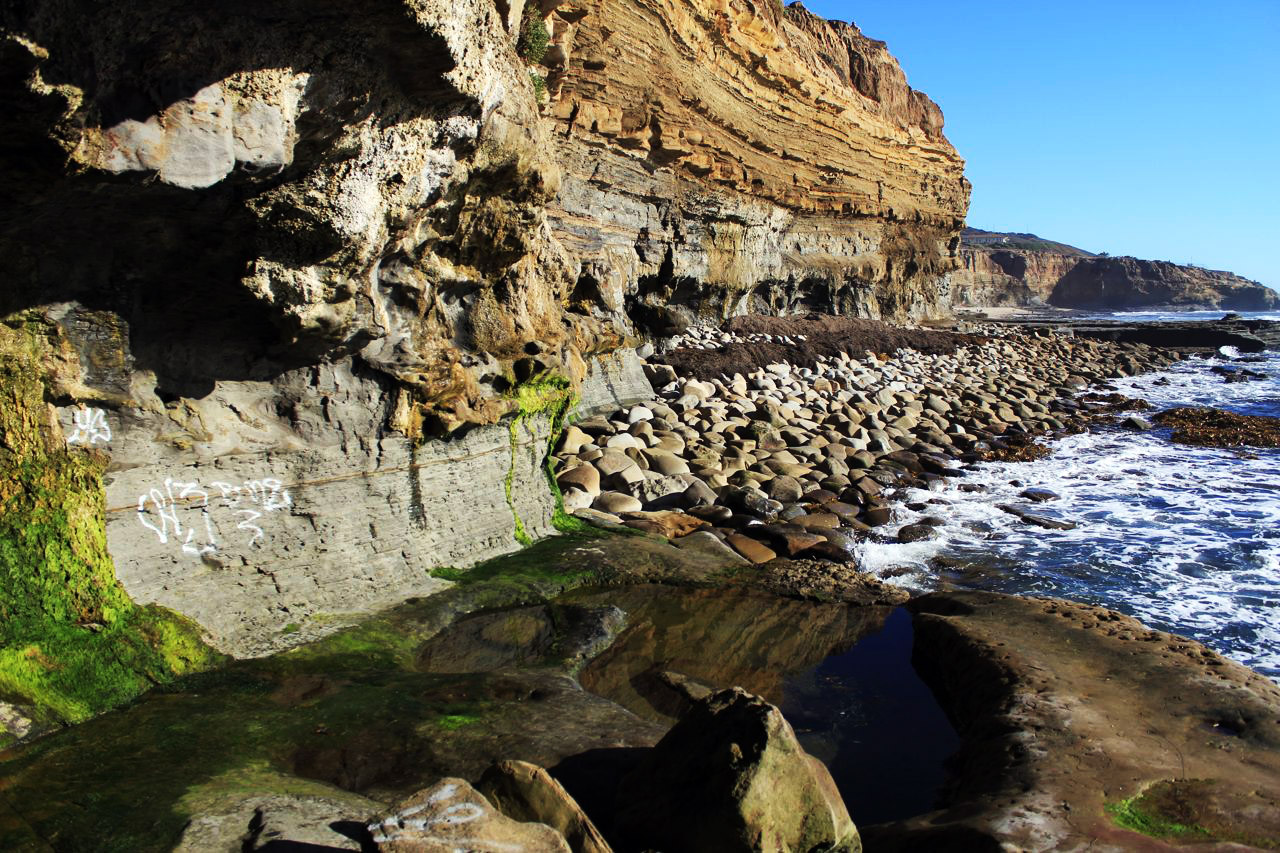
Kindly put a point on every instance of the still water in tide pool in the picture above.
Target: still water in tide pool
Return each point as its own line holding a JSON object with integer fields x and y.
{"x": 841, "y": 675}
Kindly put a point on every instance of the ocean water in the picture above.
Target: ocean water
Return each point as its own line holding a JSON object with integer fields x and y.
{"x": 1185, "y": 316}
{"x": 1186, "y": 539}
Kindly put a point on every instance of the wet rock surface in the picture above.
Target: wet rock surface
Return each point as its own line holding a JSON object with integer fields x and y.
{"x": 1217, "y": 428}
{"x": 718, "y": 637}
{"x": 731, "y": 776}
{"x": 1067, "y": 711}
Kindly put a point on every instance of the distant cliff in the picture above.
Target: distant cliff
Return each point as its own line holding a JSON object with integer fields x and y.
{"x": 1123, "y": 283}
{"x": 1025, "y": 270}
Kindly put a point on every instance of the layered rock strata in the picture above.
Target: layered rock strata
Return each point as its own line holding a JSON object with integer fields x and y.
{"x": 988, "y": 278}
{"x": 722, "y": 157}
{"x": 277, "y": 250}
{"x": 1025, "y": 270}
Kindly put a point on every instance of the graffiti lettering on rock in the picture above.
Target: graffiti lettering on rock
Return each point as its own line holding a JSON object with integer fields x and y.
{"x": 194, "y": 517}
{"x": 440, "y": 826}
{"x": 90, "y": 427}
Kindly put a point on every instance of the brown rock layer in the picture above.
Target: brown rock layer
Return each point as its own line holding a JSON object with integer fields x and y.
{"x": 1025, "y": 270}
{"x": 723, "y": 156}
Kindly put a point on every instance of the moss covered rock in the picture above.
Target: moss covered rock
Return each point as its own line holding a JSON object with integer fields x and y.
{"x": 72, "y": 643}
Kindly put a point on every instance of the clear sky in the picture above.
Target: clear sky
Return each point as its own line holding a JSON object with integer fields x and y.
{"x": 1124, "y": 126}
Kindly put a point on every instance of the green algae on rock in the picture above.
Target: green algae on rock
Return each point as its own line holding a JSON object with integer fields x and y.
{"x": 1200, "y": 811}
{"x": 72, "y": 643}
{"x": 352, "y": 710}
{"x": 552, "y": 396}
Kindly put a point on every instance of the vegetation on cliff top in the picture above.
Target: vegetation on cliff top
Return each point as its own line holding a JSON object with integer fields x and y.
{"x": 72, "y": 643}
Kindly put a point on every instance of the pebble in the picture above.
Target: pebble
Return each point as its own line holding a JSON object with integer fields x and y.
{"x": 616, "y": 503}
{"x": 750, "y": 548}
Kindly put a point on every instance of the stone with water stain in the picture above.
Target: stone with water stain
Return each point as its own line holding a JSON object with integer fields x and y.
{"x": 450, "y": 816}
{"x": 526, "y": 792}
{"x": 731, "y": 776}
{"x": 749, "y": 548}
{"x": 670, "y": 524}
{"x": 1036, "y": 520}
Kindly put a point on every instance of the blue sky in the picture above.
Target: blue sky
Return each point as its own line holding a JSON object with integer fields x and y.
{"x": 1136, "y": 128}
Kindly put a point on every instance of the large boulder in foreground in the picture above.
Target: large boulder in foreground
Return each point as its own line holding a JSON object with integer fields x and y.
{"x": 731, "y": 776}
{"x": 526, "y": 792}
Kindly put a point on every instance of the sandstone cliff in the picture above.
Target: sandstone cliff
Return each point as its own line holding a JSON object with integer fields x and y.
{"x": 1025, "y": 270}
{"x": 1117, "y": 284}
{"x": 1002, "y": 277}
{"x": 293, "y": 265}
{"x": 726, "y": 156}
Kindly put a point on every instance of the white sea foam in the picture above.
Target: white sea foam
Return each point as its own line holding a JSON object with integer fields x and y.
{"x": 1185, "y": 538}
{"x": 1186, "y": 316}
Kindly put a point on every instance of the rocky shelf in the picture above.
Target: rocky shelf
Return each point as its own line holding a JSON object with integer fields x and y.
{"x": 1246, "y": 335}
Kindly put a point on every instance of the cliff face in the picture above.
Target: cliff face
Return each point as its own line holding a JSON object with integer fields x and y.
{"x": 1112, "y": 284}
{"x": 275, "y": 249}
{"x": 1007, "y": 278}
{"x": 1025, "y": 270}
{"x": 725, "y": 156}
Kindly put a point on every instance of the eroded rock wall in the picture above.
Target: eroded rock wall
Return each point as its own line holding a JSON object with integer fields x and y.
{"x": 722, "y": 156}
{"x": 1007, "y": 278}
{"x": 301, "y": 264}
{"x": 252, "y": 190}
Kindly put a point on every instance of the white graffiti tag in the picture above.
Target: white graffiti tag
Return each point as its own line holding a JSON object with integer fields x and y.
{"x": 442, "y": 827}
{"x": 186, "y": 514}
{"x": 267, "y": 495}
{"x": 90, "y": 427}
{"x": 169, "y": 507}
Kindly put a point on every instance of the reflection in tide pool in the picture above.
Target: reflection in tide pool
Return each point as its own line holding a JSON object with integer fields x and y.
{"x": 868, "y": 716}
{"x": 841, "y": 674}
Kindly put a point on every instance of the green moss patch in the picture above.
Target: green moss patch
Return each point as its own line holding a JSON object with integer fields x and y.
{"x": 1133, "y": 814}
{"x": 71, "y": 642}
{"x": 534, "y": 37}
{"x": 1194, "y": 810}
{"x": 453, "y": 722}
{"x": 554, "y": 397}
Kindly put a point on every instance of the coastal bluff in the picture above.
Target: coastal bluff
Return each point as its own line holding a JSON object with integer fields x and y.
{"x": 1023, "y": 270}
{"x": 317, "y": 289}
